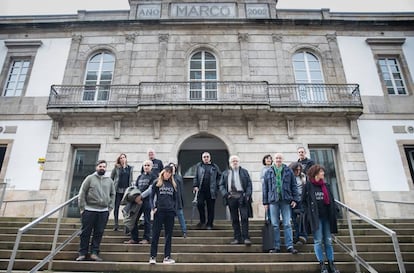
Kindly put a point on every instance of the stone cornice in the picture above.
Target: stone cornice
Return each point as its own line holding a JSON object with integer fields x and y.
{"x": 385, "y": 41}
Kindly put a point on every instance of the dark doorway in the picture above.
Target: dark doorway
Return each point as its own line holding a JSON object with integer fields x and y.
{"x": 409, "y": 153}
{"x": 3, "y": 149}
{"x": 188, "y": 156}
{"x": 326, "y": 157}
{"x": 84, "y": 162}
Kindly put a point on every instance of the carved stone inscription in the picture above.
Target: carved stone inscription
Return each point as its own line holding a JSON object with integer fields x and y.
{"x": 203, "y": 10}
{"x": 257, "y": 11}
{"x": 148, "y": 11}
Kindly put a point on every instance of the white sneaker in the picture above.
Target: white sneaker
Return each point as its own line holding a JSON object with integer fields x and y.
{"x": 168, "y": 260}
{"x": 152, "y": 260}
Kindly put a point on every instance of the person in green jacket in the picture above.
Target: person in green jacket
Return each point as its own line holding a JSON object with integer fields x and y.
{"x": 96, "y": 200}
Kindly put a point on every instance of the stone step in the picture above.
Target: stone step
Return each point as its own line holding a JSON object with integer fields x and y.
{"x": 226, "y": 240}
{"x": 142, "y": 255}
{"x": 219, "y": 224}
{"x": 203, "y": 251}
{"x": 286, "y": 267}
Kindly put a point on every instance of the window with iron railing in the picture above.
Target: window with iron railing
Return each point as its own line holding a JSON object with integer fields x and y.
{"x": 98, "y": 79}
{"x": 203, "y": 76}
{"x": 307, "y": 69}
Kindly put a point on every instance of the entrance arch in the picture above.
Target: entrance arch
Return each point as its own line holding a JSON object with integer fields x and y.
{"x": 189, "y": 155}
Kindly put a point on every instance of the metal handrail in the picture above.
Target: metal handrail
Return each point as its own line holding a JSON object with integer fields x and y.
{"x": 3, "y": 186}
{"x": 394, "y": 202}
{"x": 231, "y": 93}
{"x": 353, "y": 252}
{"x": 55, "y": 249}
{"x": 44, "y": 200}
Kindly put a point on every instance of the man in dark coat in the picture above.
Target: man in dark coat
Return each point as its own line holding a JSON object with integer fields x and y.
{"x": 205, "y": 185}
{"x": 236, "y": 189}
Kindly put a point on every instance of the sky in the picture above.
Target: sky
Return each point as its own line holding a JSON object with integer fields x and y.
{"x": 40, "y": 7}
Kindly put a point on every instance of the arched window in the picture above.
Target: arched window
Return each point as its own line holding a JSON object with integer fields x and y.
{"x": 308, "y": 71}
{"x": 203, "y": 76}
{"x": 99, "y": 73}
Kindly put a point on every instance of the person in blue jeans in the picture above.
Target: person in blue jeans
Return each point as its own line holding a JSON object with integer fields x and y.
{"x": 280, "y": 195}
{"x": 297, "y": 213}
{"x": 180, "y": 198}
{"x": 321, "y": 216}
{"x": 143, "y": 183}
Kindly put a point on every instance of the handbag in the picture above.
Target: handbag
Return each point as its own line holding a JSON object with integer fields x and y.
{"x": 268, "y": 234}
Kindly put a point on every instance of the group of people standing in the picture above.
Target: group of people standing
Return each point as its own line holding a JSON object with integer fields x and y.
{"x": 288, "y": 193}
{"x": 299, "y": 194}
{"x": 235, "y": 187}
{"x": 158, "y": 189}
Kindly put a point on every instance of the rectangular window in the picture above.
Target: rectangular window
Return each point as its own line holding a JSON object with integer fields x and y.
{"x": 409, "y": 153}
{"x": 392, "y": 76}
{"x": 15, "y": 73}
{"x": 16, "y": 78}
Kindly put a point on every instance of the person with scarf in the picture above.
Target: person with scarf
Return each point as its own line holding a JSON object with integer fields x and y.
{"x": 236, "y": 189}
{"x": 280, "y": 195}
{"x": 320, "y": 213}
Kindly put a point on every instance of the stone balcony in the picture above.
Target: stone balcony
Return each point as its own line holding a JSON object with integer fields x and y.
{"x": 321, "y": 99}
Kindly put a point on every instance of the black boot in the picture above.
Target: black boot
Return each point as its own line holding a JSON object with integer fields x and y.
{"x": 323, "y": 267}
{"x": 332, "y": 267}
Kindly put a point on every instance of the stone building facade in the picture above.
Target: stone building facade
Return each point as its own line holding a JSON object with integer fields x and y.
{"x": 183, "y": 77}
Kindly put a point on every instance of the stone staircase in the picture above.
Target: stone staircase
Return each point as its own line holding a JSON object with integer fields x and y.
{"x": 202, "y": 251}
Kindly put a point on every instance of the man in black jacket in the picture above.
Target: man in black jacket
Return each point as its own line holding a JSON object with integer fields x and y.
{"x": 157, "y": 164}
{"x": 236, "y": 188}
{"x": 303, "y": 160}
{"x": 205, "y": 184}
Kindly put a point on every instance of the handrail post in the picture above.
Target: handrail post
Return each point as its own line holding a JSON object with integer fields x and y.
{"x": 398, "y": 252}
{"x": 3, "y": 186}
{"x": 32, "y": 224}
{"x": 359, "y": 260}
{"x": 351, "y": 236}
{"x": 14, "y": 253}
{"x": 55, "y": 238}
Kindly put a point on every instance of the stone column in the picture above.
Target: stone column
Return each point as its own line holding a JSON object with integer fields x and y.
{"x": 162, "y": 57}
{"x": 280, "y": 62}
{"x": 336, "y": 65}
{"x": 73, "y": 70}
{"x": 127, "y": 59}
{"x": 244, "y": 55}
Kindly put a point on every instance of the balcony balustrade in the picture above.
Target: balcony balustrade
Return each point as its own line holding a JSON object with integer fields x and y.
{"x": 260, "y": 94}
